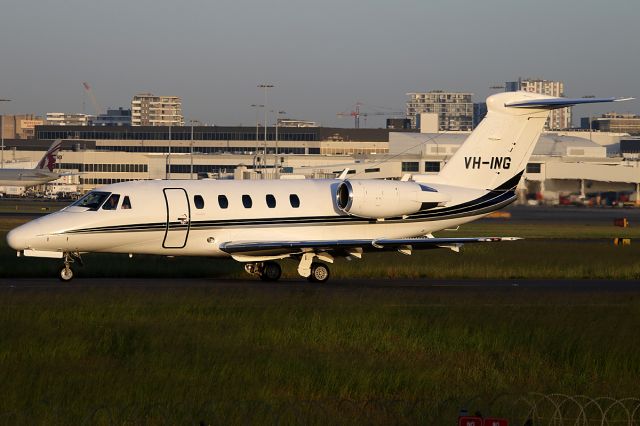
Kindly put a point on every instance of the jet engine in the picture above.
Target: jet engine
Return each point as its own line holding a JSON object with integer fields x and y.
{"x": 378, "y": 199}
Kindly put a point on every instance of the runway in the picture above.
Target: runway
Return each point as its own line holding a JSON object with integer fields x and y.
{"x": 79, "y": 284}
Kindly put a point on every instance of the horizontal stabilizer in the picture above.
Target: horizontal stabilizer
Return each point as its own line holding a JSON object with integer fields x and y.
{"x": 553, "y": 103}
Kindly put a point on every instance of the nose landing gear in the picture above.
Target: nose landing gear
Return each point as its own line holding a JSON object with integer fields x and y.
{"x": 65, "y": 273}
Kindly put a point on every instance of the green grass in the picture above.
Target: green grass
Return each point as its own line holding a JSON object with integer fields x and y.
{"x": 265, "y": 354}
{"x": 549, "y": 251}
{"x": 66, "y": 352}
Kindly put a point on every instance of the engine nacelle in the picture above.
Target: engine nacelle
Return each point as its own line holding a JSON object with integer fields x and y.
{"x": 378, "y": 199}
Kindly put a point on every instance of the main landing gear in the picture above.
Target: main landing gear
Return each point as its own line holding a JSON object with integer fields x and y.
{"x": 65, "y": 273}
{"x": 315, "y": 272}
{"x": 319, "y": 273}
{"x": 267, "y": 271}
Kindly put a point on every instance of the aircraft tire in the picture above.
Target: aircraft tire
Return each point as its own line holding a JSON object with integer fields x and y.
{"x": 319, "y": 273}
{"x": 271, "y": 272}
{"x": 65, "y": 274}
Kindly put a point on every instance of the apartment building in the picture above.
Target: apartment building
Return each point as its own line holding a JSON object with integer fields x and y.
{"x": 454, "y": 110}
{"x": 148, "y": 109}
{"x": 560, "y": 119}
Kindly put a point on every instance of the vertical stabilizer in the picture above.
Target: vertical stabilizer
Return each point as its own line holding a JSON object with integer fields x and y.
{"x": 498, "y": 150}
{"x": 49, "y": 160}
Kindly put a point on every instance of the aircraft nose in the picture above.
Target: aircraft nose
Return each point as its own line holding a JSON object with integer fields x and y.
{"x": 17, "y": 239}
{"x": 24, "y": 236}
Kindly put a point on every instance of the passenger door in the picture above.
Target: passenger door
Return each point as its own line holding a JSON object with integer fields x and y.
{"x": 178, "y": 218}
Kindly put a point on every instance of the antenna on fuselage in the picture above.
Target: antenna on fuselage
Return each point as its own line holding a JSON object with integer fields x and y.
{"x": 344, "y": 174}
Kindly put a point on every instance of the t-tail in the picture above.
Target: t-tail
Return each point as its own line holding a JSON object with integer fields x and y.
{"x": 496, "y": 153}
{"x": 49, "y": 159}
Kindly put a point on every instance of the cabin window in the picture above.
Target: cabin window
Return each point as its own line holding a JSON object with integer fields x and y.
{"x": 112, "y": 202}
{"x": 246, "y": 201}
{"x": 271, "y": 201}
{"x": 198, "y": 201}
{"x": 294, "y": 200}
{"x": 223, "y": 202}
{"x": 126, "y": 203}
{"x": 93, "y": 200}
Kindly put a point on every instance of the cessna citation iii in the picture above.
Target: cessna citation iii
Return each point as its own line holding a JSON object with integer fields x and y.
{"x": 311, "y": 221}
{"x": 42, "y": 173}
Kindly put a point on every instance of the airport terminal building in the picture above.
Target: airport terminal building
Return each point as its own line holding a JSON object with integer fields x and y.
{"x": 573, "y": 166}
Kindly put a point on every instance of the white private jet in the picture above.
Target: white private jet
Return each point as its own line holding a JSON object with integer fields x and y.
{"x": 42, "y": 173}
{"x": 311, "y": 221}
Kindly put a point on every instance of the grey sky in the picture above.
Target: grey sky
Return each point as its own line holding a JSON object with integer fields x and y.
{"x": 322, "y": 56}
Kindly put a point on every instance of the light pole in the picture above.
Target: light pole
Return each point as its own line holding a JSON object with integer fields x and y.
{"x": 191, "y": 149}
{"x": 266, "y": 87}
{"x": 168, "y": 173}
{"x": 257, "y": 107}
{"x": 275, "y": 164}
{"x": 2, "y": 135}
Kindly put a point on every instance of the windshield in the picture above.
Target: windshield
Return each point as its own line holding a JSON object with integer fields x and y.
{"x": 92, "y": 200}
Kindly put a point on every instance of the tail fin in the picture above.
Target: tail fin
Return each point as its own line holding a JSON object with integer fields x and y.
{"x": 498, "y": 149}
{"x": 50, "y": 158}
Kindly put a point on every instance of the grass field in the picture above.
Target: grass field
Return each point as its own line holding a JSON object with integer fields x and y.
{"x": 550, "y": 251}
{"x": 308, "y": 354}
{"x": 66, "y": 352}
{"x": 523, "y": 260}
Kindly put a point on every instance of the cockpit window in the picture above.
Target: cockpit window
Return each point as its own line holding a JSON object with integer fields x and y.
{"x": 93, "y": 200}
{"x": 126, "y": 203}
{"x": 112, "y": 202}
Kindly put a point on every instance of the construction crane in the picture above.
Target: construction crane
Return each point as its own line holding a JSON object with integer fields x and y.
{"x": 357, "y": 113}
{"x": 92, "y": 98}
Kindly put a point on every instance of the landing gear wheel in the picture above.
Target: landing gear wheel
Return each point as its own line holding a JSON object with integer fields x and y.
{"x": 65, "y": 273}
{"x": 271, "y": 271}
{"x": 319, "y": 273}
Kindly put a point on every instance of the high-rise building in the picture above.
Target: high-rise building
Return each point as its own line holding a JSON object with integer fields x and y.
{"x": 454, "y": 110}
{"x": 150, "y": 110}
{"x": 559, "y": 119}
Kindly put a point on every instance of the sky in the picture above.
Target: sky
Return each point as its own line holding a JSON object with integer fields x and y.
{"x": 322, "y": 56}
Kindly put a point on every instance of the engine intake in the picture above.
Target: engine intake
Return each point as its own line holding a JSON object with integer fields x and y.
{"x": 377, "y": 199}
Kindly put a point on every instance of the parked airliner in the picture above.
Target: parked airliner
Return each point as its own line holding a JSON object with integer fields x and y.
{"x": 42, "y": 173}
{"x": 311, "y": 221}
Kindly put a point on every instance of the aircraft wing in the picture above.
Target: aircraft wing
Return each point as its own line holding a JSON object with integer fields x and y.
{"x": 268, "y": 248}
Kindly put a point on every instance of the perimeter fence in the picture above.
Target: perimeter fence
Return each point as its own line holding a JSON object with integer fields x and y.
{"x": 527, "y": 410}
